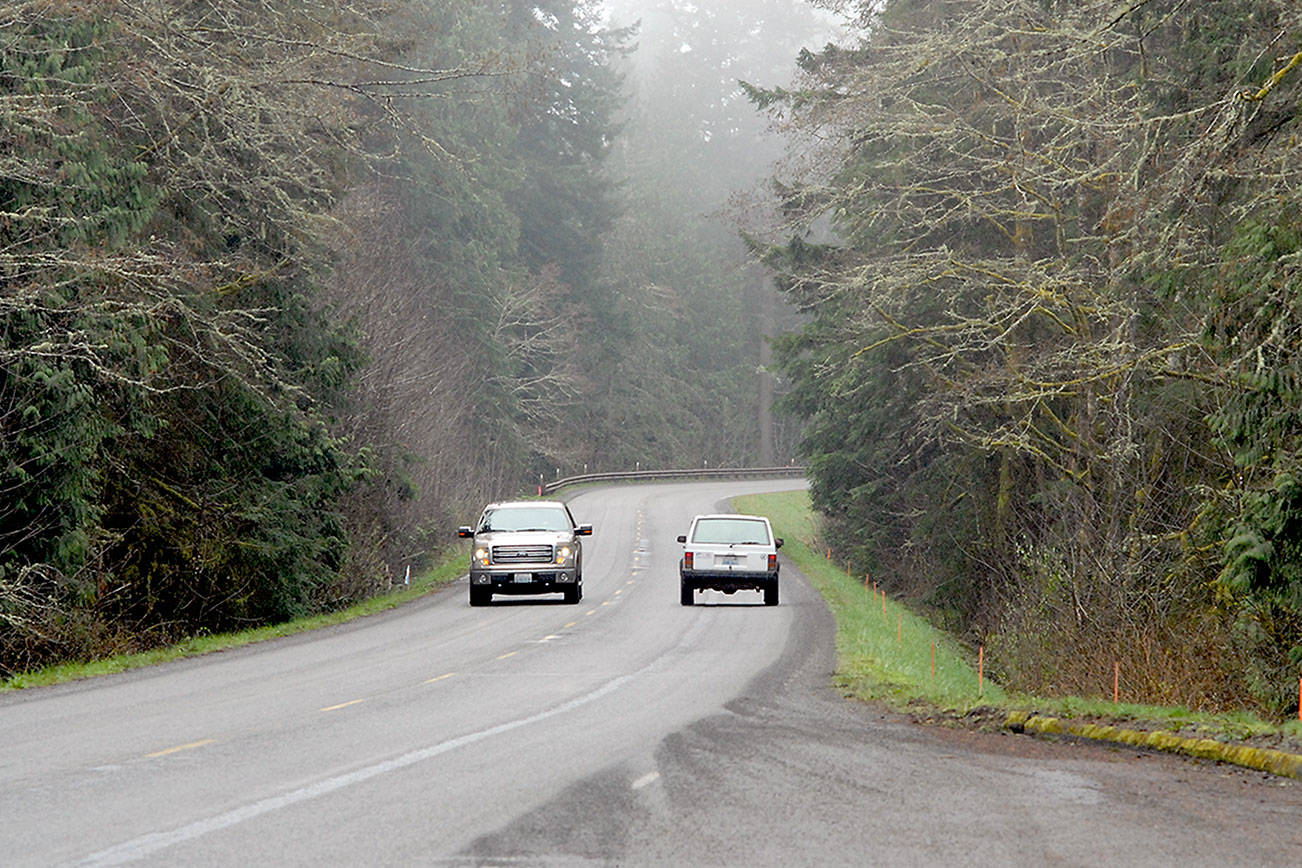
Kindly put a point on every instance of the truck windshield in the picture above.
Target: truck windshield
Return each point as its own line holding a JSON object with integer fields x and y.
{"x": 524, "y": 518}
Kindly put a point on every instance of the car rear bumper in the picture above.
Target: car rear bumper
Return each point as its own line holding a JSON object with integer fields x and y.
{"x": 728, "y": 582}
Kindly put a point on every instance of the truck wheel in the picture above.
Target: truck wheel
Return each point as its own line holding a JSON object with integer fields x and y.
{"x": 771, "y": 594}
{"x": 480, "y": 596}
{"x": 573, "y": 593}
{"x": 686, "y": 595}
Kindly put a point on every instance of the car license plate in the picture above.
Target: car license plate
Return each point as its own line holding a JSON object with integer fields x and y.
{"x": 730, "y": 560}
{"x": 523, "y": 577}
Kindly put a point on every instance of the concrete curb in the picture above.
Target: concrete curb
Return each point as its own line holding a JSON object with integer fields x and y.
{"x": 1273, "y": 761}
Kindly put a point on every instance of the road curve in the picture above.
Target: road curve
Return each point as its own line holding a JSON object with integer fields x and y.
{"x": 625, "y": 730}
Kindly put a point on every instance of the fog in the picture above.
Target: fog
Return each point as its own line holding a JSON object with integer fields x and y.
{"x": 685, "y": 103}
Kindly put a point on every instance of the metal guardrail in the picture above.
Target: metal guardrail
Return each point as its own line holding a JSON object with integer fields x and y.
{"x": 697, "y": 473}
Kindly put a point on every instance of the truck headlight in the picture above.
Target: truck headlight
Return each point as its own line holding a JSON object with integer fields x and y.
{"x": 481, "y": 556}
{"x": 563, "y": 554}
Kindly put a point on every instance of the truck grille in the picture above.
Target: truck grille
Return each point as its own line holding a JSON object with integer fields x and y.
{"x": 536, "y": 554}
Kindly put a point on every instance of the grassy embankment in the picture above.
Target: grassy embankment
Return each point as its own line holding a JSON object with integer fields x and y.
{"x": 442, "y": 573}
{"x": 887, "y": 657}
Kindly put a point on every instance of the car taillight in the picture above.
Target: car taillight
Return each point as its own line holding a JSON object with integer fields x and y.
{"x": 773, "y": 562}
{"x": 687, "y": 560}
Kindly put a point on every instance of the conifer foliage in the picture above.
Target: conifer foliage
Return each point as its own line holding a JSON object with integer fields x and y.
{"x": 190, "y": 436}
{"x": 1050, "y": 264}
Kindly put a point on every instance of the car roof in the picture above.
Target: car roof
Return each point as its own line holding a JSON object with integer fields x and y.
{"x": 517, "y": 504}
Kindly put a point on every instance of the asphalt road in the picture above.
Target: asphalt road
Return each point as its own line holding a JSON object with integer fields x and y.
{"x": 626, "y": 730}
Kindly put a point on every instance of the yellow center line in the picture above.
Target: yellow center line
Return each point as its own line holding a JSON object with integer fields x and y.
{"x": 508, "y": 654}
{"x": 569, "y": 625}
{"x": 180, "y": 747}
{"x": 605, "y": 602}
{"x": 619, "y": 591}
{"x": 590, "y": 612}
{"x": 629, "y": 582}
{"x": 342, "y": 705}
{"x": 440, "y": 677}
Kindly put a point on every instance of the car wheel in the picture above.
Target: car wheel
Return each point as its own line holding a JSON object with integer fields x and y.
{"x": 480, "y": 596}
{"x": 687, "y": 595}
{"x": 771, "y": 594}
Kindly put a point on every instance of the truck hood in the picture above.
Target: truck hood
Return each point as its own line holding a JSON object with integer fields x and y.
{"x": 524, "y": 538}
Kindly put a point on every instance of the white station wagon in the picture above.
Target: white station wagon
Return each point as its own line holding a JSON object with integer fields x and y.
{"x": 729, "y": 553}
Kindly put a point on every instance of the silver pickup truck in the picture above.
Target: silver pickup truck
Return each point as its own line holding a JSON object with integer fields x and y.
{"x": 526, "y": 547}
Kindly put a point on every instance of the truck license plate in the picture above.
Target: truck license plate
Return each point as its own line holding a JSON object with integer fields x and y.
{"x": 523, "y": 577}
{"x": 729, "y": 560}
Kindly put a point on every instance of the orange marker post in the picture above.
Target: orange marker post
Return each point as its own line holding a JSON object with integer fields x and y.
{"x": 1116, "y": 680}
{"x": 933, "y": 659}
{"x": 981, "y": 669}
{"x": 1299, "y": 699}
{"x": 899, "y": 634}
{"x": 883, "y": 602}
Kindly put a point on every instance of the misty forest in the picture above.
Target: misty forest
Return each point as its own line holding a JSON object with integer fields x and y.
{"x": 289, "y": 289}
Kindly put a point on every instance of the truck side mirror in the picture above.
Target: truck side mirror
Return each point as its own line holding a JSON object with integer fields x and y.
{"x": 464, "y": 532}
{"x": 583, "y": 530}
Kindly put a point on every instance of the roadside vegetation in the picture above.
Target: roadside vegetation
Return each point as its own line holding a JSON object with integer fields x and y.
{"x": 888, "y": 657}
{"x": 449, "y": 569}
{"x": 1049, "y": 255}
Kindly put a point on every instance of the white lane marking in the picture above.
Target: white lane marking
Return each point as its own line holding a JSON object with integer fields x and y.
{"x": 648, "y": 778}
{"x": 145, "y": 845}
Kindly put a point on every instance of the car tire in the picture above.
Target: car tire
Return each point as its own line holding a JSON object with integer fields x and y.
{"x": 771, "y": 593}
{"x": 480, "y": 596}
{"x": 687, "y": 595}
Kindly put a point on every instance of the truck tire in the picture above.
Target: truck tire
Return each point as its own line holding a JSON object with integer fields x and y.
{"x": 573, "y": 593}
{"x": 686, "y": 594}
{"x": 771, "y": 593}
{"x": 480, "y": 596}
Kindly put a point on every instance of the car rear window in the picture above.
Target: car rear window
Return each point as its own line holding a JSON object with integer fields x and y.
{"x": 524, "y": 518}
{"x": 730, "y": 530}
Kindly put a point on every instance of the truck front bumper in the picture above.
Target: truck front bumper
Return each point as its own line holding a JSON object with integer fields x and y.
{"x": 525, "y": 580}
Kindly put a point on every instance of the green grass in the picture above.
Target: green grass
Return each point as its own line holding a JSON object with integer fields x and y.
{"x": 441, "y": 574}
{"x": 884, "y": 650}
{"x": 887, "y": 658}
